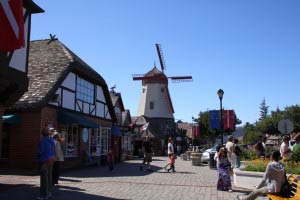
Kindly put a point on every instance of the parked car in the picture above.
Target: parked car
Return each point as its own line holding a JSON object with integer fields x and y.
{"x": 205, "y": 154}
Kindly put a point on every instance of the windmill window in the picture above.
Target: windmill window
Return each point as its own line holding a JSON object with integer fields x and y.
{"x": 144, "y": 90}
{"x": 162, "y": 89}
{"x": 151, "y": 105}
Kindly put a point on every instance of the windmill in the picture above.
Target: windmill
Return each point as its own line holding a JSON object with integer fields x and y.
{"x": 155, "y": 101}
{"x": 175, "y": 79}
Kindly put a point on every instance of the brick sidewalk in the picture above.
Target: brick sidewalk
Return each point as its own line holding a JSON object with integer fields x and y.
{"x": 126, "y": 182}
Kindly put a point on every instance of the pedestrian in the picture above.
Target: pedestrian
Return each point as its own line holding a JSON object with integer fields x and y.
{"x": 179, "y": 149}
{"x": 229, "y": 150}
{"x": 296, "y": 146}
{"x": 285, "y": 152}
{"x": 147, "y": 149}
{"x": 236, "y": 153}
{"x": 172, "y": 163}
{"x": 45, "y": 159}
{"x": 224, "y": 182}
{"x": 110, "y": 160}
{"x": 272, "y": 180}
{"x": 59, "y": 157}
{"x": 170, "y": 151}
{"x": 259, "y": 148}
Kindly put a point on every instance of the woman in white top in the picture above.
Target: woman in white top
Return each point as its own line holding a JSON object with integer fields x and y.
{"x": 59, "y": 157}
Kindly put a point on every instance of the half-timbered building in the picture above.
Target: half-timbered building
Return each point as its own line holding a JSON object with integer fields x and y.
{"x": 67, "y": 94}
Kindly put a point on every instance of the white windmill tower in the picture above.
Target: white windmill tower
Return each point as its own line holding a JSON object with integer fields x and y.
{"x": 155, "y": 101}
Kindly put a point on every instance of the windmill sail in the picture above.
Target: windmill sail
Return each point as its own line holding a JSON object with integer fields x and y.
{"x": 161, "y": 57}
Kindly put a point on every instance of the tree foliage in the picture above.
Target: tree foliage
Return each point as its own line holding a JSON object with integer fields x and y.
{"x": 269, "y": 124}
{"x": 263, "y": 110}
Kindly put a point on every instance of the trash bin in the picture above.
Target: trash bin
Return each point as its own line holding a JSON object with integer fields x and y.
{"x": 212, "y": 162}
{"x": 196, "y": 158}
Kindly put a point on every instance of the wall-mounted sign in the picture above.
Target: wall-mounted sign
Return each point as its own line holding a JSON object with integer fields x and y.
{"x": 85, "y": 135}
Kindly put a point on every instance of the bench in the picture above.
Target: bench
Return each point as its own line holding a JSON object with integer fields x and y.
{"x": 294, "y": 180}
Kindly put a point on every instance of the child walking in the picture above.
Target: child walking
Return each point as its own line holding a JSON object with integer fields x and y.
{"x": 110, "y": 161}
{"x": 172, "y": 163}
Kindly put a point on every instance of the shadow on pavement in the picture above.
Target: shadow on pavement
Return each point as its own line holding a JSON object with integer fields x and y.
{"x": 120, "y": 170}
{"x": 30, "y": 192}
{"x": 19, "y": 172}
{"x": 60, "y": 187}
{"x": 70, "y": 180}
{"x": 7, "y": 187}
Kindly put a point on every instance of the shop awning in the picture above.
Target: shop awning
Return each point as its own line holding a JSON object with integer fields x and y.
{"x": 115, "y": 131}
{"x": 65, "y": 117}
{"x": 11, "y": 119}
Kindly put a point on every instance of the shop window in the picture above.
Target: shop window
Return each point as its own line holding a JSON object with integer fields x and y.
{"x": 70, "y": 136}
{"x": 105, "y": 140}
{"x": 126, "y": 143}
{"x": 95, "y": 142}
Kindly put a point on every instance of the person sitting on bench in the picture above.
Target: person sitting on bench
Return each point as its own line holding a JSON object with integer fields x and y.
{"x": 272, "y": 180}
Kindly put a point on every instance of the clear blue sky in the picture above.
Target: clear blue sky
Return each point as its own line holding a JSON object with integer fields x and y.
{"x": 249, "y": 48}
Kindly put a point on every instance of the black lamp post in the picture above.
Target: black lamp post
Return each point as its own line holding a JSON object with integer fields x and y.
{"x": 220, "y": 94}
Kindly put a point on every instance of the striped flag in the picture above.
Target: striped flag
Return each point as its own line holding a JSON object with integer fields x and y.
{"x": 144, "y": 127}
{"x": 11, "y": 25}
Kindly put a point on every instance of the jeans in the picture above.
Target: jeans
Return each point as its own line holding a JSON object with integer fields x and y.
{"x": 238, "y": 162}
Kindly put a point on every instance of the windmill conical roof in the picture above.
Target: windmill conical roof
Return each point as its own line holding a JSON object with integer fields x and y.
{"x": 154, "y": 72}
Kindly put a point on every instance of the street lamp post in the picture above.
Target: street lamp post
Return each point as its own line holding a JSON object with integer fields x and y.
{"x": 220, "y": 94}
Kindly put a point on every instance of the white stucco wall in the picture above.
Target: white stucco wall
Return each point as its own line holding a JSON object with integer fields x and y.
{"x": 68, "y": 99}
{"x": 69, "y": 81}
{"x": 162, "y": 107}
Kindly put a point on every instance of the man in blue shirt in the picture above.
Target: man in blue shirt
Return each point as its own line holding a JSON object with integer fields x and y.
{"x": 45, "y": 160}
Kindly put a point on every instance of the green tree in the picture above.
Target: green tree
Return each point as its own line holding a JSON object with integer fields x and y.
{"x": 263, "y": 110}
{"x": 293, "y": 113}
{"x": 250, "y": 134}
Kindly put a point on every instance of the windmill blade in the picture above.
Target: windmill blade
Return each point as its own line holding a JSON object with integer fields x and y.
{"x": 179, "y": 79}
{"x": 136, "y": 77}
{"x": 161, "y": 57}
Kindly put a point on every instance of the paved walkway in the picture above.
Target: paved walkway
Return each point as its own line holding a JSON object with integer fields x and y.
{"x": 126, "y": 182}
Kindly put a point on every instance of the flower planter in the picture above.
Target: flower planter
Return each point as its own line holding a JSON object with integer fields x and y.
{"x": 246, "y": 179}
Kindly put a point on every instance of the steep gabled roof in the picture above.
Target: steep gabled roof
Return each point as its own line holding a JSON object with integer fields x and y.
{"x": 115, "y": 97}
{"x": 48, "y": 65}
{"x": 126, "y": 118}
